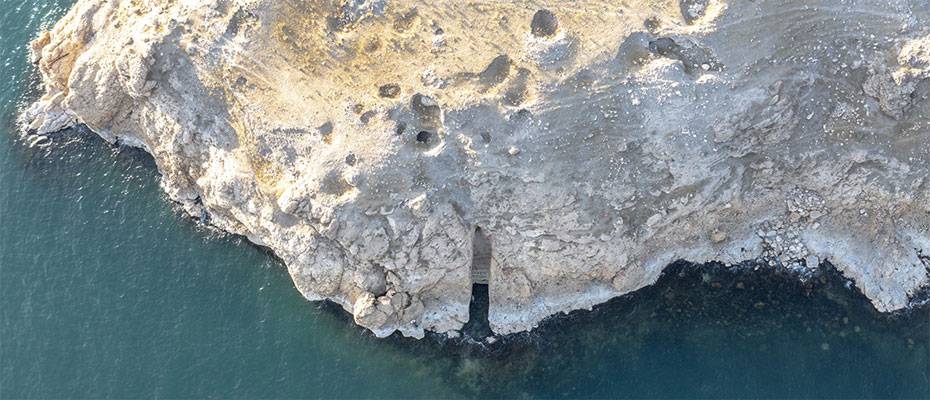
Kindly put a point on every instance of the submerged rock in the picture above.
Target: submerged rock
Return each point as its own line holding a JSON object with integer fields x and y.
{"x": 589, "y": 152}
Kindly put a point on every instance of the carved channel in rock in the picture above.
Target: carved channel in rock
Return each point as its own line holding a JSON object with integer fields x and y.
{"x": 478, "y": 326}
{"x": 481, "y": 258}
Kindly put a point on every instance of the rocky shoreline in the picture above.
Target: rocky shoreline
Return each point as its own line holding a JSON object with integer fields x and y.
{"x": 365, "y": 143}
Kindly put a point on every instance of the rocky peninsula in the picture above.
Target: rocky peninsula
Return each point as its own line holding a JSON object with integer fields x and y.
{"x": 381, "y": 147}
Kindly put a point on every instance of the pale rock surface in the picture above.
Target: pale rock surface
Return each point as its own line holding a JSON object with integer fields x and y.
{"x": 363, "y": 141}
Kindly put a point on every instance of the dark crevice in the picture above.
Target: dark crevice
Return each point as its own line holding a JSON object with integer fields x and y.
{"x": 424, "y": 137}
{"x": 478, "y": 326}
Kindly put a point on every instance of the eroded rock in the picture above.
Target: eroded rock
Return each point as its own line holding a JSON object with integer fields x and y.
{"x": 590, "y": 152}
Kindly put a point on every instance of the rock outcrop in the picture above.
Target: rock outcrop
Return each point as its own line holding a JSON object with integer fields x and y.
{"x": 592, "y": 142}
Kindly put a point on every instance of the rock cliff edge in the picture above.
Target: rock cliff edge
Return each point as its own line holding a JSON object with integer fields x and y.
{"x": 592, "y": 142}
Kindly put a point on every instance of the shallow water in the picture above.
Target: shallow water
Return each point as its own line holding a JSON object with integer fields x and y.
{"x": 107, "y": 291}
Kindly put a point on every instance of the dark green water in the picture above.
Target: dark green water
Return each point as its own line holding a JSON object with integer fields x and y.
{"x": 106, "y": 291}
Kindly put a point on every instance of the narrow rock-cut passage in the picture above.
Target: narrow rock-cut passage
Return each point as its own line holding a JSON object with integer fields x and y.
{"x": 481, "y": 258}
{"x": 478, "y": 326}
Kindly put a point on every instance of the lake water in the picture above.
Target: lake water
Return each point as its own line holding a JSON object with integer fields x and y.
{"x": 106, "y": 290}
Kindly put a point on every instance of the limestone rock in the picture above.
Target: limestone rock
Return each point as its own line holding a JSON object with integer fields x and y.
{"x": 593, "y": 142}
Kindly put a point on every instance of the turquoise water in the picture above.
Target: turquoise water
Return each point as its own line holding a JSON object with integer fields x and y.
{"x": 107, "y": 291}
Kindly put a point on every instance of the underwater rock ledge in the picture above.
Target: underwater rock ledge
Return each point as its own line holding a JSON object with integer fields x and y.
{"x": 393, "y": 152}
